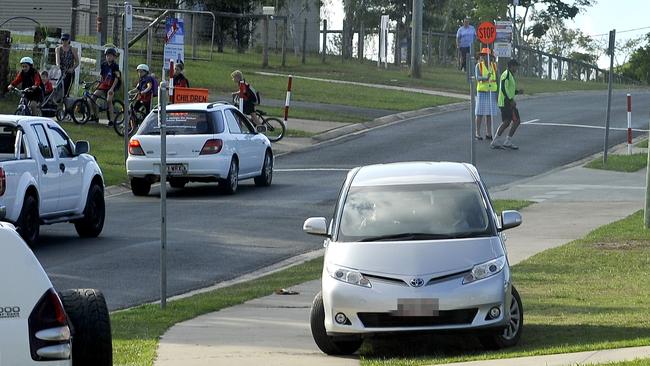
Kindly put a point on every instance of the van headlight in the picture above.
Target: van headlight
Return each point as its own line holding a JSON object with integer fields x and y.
{"x": 485, "y": 270}
{"x": 348, "y": 276}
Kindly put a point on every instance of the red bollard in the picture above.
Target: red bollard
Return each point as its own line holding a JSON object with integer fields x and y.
{"x": 287, "y": 100}
{"x": 629, "y": 124}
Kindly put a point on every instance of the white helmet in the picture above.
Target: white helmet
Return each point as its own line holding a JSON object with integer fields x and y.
{"x": 27, "y": 60}
{"x": 143, "y": 67}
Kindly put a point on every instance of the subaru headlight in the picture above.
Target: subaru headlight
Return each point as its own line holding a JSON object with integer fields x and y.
{"x": 348, "y": 276}
{"x": 485, "y": 270}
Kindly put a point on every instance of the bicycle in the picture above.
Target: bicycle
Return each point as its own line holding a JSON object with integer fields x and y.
{"x": 136, "y": 116}
{"x": 81, "y": 108}
{"x": 23, "y": 108}
{"x": 275, "y": 127}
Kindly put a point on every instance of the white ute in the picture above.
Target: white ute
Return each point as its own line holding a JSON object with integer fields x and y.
{"x": 39, "y": 325}
{"x": 45, "y": 178}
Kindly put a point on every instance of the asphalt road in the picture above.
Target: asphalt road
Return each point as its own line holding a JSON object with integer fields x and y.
{"x": 213, "y": 237}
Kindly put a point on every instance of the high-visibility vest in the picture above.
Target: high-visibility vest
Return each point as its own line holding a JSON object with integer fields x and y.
{"x": 487, "y": 85}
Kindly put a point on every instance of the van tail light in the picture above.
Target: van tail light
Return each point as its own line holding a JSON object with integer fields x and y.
{"x": 50, "y": 336}
{"x": 3, "y": 182}
{"x": 135, "y": 148}
{"x": 212, "y": 146}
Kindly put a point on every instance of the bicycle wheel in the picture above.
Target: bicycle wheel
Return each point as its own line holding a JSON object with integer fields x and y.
{"x": 118, "y": 124}
{"x": 275, "y": 129}
{"x": 118, "y": 107}
{"x": 61, "y": 114}
{"x": 80, "y": 111}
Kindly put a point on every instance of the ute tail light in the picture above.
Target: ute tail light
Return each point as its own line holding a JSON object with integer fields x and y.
{"x": 50, "y": 337}
{"x": 135, "y": 148}
{"x": 212, "y": 146}
{"x": 3, "y": 182}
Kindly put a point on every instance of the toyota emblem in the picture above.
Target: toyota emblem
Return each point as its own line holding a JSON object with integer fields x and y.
{"x": 417, "y": 282}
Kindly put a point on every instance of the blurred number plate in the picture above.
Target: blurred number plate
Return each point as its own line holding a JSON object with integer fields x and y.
{"x": 176, "y": 169}
{"x": 417, "y": 307}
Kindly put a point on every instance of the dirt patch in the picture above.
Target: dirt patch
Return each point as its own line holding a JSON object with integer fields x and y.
{"x": 623, "y": 245}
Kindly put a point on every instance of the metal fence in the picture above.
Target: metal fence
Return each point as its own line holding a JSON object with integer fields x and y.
{"x": 439, "y": 48}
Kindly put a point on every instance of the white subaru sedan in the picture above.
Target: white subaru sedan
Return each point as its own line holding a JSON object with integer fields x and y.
{"x": 414, "y": 247}
{"x": 206, "y": 142}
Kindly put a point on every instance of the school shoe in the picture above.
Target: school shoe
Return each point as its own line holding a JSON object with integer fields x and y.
{"x": 509, "y": 145}
{"x": 496, "y": 143}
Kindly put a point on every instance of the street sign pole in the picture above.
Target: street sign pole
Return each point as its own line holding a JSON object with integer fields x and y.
{"x": 128, "y": 26}
{"x": 646, "y": 213}
{"x": 162, "y": 122}
{"x": 472, "y": 117}
{"x": 612, "y": 43}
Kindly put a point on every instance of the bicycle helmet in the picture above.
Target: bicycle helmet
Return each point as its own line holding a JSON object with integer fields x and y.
{"x": 27, "y": 60}
{"x": 143, "y": 67}
{"x": 110, "y": 51}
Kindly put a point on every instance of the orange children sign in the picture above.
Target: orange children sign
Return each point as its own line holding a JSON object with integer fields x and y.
{"x": 190, "y": 95}
{"x": 486, "y": 32}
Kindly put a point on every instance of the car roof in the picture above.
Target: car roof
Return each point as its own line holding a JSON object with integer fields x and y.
{"x": 413, "y": 173}
{"x": 15, "y": 120}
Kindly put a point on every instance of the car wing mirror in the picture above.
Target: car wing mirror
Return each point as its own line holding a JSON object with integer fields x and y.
{"x": 510, "y": 219}
{"x": 82, "y": 147}
{"x": 260, "y": 129}
{"x": 315, "y": 226}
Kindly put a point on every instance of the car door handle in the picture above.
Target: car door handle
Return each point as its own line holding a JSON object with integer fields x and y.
{"x": 62, "y": 167}
{"x": 44, "y": 168}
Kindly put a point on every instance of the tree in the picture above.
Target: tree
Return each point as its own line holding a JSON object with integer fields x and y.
{"x": 638, "y": 67}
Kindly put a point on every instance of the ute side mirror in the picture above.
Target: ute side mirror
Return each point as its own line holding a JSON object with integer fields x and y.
{"x": 510, "y": 219}
{"x": 82, "y": 147}
{"x": 315, "y": 226}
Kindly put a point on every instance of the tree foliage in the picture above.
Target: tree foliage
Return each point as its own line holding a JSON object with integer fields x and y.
{"x": 638, "y": 66}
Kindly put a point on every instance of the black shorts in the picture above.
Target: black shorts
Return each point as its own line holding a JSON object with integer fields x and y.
{"x": 249, "y": 107}
{"x": 506, "y": 113}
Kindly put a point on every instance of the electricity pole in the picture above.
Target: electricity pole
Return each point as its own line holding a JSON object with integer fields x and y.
{"x": 416, "y": 40}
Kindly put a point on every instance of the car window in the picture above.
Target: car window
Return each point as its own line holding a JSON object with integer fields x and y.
{"x": 43, "y": 142}
{"x": 231, "y": 121}
{"x": 429, "y": 210}
{"x": 179, "y": 123}
{"x": 7, "y": 139}
{"x": 244, "y": 125}
{"x": 62, "y": 143}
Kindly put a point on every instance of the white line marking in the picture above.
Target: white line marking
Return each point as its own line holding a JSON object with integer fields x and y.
{"x": 314, "y": 170}
{"x": 531, "y": 121}
{"x": 580, "y": 126}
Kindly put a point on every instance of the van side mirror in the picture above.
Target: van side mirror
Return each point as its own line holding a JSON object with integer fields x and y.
{"x": 315, "y": 226}
{"x": 510, "y": 219}
{"x": 82, "y": 147}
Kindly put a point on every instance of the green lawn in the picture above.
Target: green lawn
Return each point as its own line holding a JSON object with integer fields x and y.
{"x": 587, "y": 295}
{"x": 620, "y": 163}
{"x": 638, "y": 362}
{"x": 642, "y": 144}
{"x": 500, "y": 205}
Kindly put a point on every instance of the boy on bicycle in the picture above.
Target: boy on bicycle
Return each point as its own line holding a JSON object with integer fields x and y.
{"x": 249, "y": 98}
{"x": 144, "y": 88}
{"x": 110, "y": 80}
{"x": 28, "y": 78}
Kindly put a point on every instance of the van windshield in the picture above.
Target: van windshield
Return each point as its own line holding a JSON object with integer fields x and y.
{"x": 414, "y": 212}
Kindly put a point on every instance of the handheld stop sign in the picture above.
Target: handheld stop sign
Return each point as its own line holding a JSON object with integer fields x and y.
{"x": 486, "y": 32}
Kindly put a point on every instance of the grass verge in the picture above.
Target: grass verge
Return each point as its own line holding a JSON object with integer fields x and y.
{"x": 642, "y": 144}
{"x": 620, "y": 163}
{"x": 500, "y": 205}
{"x": 105, "y": 145}
{"x": 586, "y": 295}
{"x": 136, "y": 331}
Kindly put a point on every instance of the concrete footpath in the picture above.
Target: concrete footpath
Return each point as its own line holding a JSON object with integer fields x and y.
{"x": 274, "y": 330}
